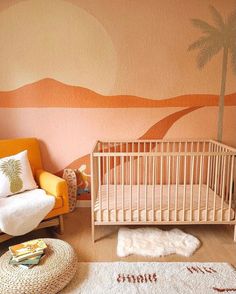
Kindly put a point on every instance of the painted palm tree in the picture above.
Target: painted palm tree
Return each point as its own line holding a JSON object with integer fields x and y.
{"x": 217, "y": 37}
{"x": 11, "y": 168}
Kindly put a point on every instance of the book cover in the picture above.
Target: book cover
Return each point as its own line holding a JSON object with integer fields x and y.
{"x": 28, "y": 255}
{"x": 32, "y": 260}
{"x": 26, "y": 266}
{"x": 27, "y": 247}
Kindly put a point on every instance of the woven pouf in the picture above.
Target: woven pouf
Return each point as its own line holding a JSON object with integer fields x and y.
{"x": 51, "y": 275}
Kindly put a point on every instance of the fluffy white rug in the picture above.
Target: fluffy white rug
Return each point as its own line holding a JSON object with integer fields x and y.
{"x": 155, "y": 242}
{"x": 152, "y": 277}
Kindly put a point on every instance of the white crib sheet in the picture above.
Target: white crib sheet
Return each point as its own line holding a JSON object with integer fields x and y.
{"x": 167, "y": 211}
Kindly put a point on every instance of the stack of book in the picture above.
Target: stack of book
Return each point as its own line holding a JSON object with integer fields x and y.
{"x": 27, "y": 254}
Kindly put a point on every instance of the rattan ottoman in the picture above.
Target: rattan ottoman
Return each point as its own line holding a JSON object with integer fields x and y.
{"x": 53, "y": 273}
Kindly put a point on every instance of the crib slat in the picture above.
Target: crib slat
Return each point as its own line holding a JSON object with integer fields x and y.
{"x": 215, "y": 187}
{"x": 228, "y": 178}
{"x": 197, "y": 163}
{"x": 168, "y": 188}
{"x": 200, "y": 187}
{"x": 145, "y": 186}
{"x": 115, "y": 194}
{"x": 191, "y": 148}
{"x": 191, "y": 187}
{"x": 138, "y": 188}
{"x": 173, "y": 167}
{"x": 212, "y": 167}
{"x": 222, "y": 170}
{"x": 218, "y": 174}
{"x": 133, "y": 176}
{"x": 223, "y": 189}
{"x": 131, "y": 180}
{"x": 203, "y": 162}
{"x": 161, "y": 186}
{"x": 154, "y": 174}
{"x": 103, "y": 172}
{"x": 221, "y": 174}
{"x": 99, "y": 188}
{"x": 209, "y": 161}
{"x": 231, "y": 186}
{"x": 185, "y": 175}
{"x": 126, "y": 164}
{"x": 176, "y": 187}
{"x": 122, "y": 189}
{"x": 153, "y": 187}
{"x": 108, "y": 186}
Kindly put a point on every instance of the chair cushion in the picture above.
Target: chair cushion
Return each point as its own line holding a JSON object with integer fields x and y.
{"x": 58, "y": 202}
{"x": 15, "y": 174}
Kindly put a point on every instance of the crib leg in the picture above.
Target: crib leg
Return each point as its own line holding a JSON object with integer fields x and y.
{"x": 234, "y": 233}
{"x": 93, "y": 233}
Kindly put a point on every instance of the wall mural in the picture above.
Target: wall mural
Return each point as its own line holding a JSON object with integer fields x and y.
{"x": 215, "y": 38}
{"x": 82, "y": 78}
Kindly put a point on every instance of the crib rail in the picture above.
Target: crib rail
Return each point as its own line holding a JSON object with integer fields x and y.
{"x": 157, "y": 181}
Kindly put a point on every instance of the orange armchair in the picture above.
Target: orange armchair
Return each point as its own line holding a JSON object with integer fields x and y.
{"x": 52, "y": 184}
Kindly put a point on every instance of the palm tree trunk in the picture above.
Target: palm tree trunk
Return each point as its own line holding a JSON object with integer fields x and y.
{"x": 222, "y": 94}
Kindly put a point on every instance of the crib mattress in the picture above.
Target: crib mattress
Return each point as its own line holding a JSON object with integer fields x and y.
{"x": 168, "y": 210}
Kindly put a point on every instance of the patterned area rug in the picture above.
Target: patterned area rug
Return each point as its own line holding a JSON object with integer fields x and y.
{"x": 152, "y": 277}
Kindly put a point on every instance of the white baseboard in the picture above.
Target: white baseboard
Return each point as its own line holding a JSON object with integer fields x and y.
{"x": 83, "y": 203}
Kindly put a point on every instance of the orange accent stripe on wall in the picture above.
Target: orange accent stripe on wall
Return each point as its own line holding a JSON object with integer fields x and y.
{"x": 159, "y": 130}
{"x": 51, "y": 93}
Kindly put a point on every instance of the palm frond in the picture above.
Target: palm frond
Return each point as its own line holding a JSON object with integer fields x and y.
{"x": 231, "y": 20}
{"x": 206, "y": 54}
{"x": 233, "y": 56}
{"x": 204, "y": 26}
{"x": 217, "y": 17}
{"x": 201, "y": 42}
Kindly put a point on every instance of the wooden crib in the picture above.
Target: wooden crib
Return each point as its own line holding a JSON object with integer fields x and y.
{"x": 162, "y": 182}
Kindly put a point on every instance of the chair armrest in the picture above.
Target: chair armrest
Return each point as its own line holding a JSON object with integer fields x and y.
{"x": 53, "y": 185}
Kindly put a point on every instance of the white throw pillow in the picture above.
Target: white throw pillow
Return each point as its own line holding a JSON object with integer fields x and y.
{"x": 15, "y": 174}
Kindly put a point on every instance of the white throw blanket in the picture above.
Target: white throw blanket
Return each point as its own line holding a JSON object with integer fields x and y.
{"x": 21, "y": 213}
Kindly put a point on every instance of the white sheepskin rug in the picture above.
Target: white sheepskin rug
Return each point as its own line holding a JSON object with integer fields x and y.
{"x": 155, "y": 242}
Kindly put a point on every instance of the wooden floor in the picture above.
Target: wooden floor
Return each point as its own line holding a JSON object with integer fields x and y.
{"x": 217, "y": 241}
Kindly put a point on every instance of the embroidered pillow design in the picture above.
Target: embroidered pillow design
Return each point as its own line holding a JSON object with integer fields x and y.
{"x": 15, "y": 174}
{"x": 12, "y": 169}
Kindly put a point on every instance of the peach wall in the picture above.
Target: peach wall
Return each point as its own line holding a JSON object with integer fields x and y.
{"x": 71, "y": 133}
{"x": 203, "y": 122}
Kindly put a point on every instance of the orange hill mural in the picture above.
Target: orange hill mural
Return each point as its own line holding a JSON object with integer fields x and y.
{"x": 51, "y": 93}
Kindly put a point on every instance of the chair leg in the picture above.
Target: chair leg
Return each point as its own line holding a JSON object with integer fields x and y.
{"x": 60, "y": 229}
